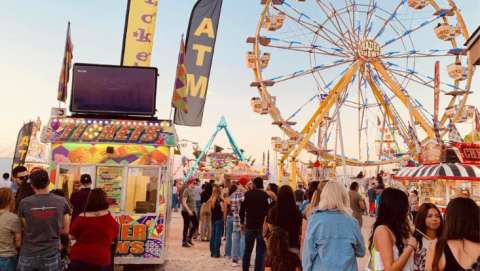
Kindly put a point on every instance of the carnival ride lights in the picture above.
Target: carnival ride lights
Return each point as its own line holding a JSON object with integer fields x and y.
{"x": 90, "y": 130}
{"x": 359, "y": 48}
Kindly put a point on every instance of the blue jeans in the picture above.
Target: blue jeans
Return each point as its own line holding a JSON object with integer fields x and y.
{"x": 8, "y": 263}
{"x": 252, "y": 235}
{"x": 45, "y": 262}
{"x": 198, "y": 204}
{"x": 216, "y": 239}
{"x": 238, "y": 245}
{"x": 174, "y": 201}
{"x": 228, "y": 243}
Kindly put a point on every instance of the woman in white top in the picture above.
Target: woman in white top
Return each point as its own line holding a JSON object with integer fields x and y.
{"x": 392, "y": 244}
{"x": 428, "y": 226}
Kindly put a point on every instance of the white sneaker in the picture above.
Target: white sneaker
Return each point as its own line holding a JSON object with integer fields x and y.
{"x": 234, "y": 264}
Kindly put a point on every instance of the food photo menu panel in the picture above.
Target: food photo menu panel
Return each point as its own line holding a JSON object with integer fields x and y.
{"x": 110, "y": 179}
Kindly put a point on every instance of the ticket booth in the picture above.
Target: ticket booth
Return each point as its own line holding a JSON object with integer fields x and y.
{"x": 131, "y": 161}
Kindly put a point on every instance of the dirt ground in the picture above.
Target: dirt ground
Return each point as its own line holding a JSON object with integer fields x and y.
{"x": 197, "y": 258}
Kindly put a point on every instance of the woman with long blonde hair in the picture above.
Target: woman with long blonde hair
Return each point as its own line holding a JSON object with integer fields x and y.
{"x": 331, "y": 229}
{"x": 216, "y": 205}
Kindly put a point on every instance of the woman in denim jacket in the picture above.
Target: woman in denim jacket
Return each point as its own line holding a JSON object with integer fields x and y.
{"x": 333, "y": 239}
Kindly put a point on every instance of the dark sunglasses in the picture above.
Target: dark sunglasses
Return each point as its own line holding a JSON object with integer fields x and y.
{"x": 24, "y": 178}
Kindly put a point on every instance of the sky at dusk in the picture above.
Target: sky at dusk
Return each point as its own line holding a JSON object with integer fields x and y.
{"x": 32, "y": 43}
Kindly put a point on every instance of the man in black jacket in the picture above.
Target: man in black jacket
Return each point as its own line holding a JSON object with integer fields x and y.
{"x": 253, "y": 211}
{"x": 79, "y": 198}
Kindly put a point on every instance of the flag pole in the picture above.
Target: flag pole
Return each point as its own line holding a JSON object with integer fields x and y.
{"x": 125, "y": 32}
{"x": 65, "y": 71}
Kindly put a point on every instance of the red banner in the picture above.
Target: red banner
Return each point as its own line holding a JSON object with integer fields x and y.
{"x": 470, "y": 152}
{"x": 179, "y": 97}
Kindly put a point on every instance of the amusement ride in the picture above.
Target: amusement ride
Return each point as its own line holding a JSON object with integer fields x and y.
{"x": 359, "y": 62}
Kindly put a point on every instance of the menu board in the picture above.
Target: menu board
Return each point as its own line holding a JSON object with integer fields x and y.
{"x": 110, "y": 179}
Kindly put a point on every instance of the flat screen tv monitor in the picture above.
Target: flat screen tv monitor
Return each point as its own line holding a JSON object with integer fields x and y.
{"x": 106, "y": 89}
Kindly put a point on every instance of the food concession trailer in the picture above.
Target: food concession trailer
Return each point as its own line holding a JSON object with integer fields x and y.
{"x": 131, "y": 162}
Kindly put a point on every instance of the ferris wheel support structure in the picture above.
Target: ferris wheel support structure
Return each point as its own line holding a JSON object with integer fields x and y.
{"x": 349, "y": 41}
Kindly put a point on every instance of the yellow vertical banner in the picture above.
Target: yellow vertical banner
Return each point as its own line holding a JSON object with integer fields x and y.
{"x": 139, "y": 32}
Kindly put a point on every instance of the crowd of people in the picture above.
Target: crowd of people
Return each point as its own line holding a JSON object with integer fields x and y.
{"x": 44, "y": 230}
{"x": 319, "y": 228}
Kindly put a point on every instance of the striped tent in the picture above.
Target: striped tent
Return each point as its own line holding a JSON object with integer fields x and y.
{"x": 440, "y": 171}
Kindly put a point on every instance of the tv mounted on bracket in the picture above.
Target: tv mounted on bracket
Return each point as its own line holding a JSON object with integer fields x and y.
{"x": 113, "y": 90}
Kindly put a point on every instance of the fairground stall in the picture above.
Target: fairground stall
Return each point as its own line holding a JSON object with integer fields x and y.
{"x": 240, "y": 171}
{"x": 244, "y": 171}
{"x": 214, "y": 165}
{"x": 218, "y": 165}
{"x": 130, "y": 161}
{"x": 440, "y": 182}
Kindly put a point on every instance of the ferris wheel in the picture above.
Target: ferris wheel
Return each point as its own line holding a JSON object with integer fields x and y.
{"x": 365, "y": 65}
